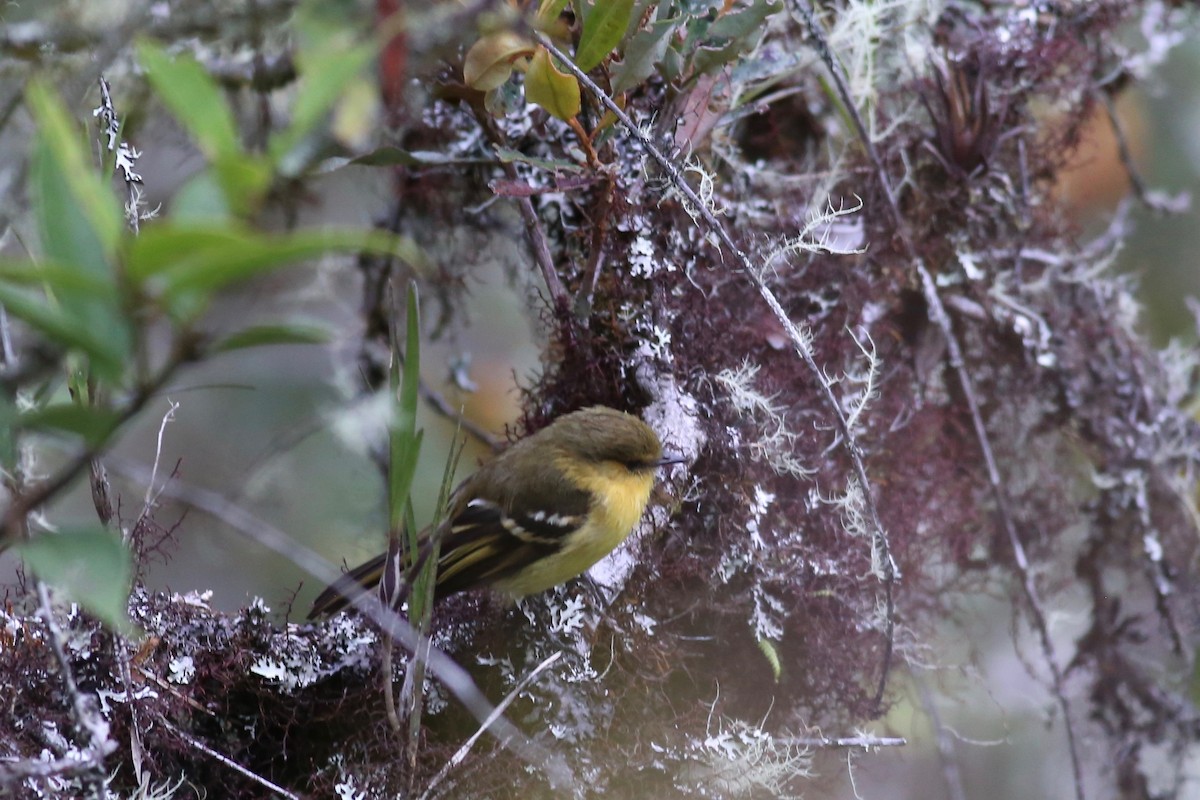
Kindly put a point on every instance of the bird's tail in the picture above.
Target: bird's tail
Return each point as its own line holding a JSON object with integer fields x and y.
{"x": 338, "y": 595}
{"x": 386, "y": 569}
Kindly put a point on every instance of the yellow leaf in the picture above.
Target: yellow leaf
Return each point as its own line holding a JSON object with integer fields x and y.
{"x": 489, "y": 62}
{"x": 554, "y": 91}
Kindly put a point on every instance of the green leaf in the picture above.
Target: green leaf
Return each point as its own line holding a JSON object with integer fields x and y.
{"x": 411, "y": 380}
{"x": 91, "y": 566}
{"x": 731, "y": 36}
{"x": 59, "y": 279}
{"x": 554, "y": 91}
{"x": 79, "y": 220}
{"x": 188, "y": 264}
{"x": 106, "y": 346}
{"x": 162, "y": 247}
{"x": 405, "y": 439}
{"x": 8, "y": 434}
{"x": 200, "y": 199}
{"x": 742, "y": 24}
{"x": 94, "y": 425}
{"x": 244, "y": 180}
{"x": 548, "y": 11}
{"x": 643, "y": 54}
{"x": 193, "y": 98}
{"x": 390, "y": 156}
{"x": 80, "y": 225}
{"x": 261, "y": 335}
{"x": 707, "y": 60}
{"x": 324, "y": 77}
{"x": 671, "y": 65}
{"x": 603, "y": 28}
{"x": 507, "y": 155}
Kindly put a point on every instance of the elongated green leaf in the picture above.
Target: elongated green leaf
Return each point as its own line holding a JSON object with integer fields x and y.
{"x": 507, "y": 155}
{"x": 410, "y": 388}
{"x": 95, "y": 425}
{"x": 162, "y": 247}
{"x": 324, "y": 78}
{"x": 643, "y": 54}
{"x": 771, "y": 654}
{"x": 405, "y": 439}
{"x": 186, "y": 265}
{"x": 58, "y": 278}
{"x": 106, "y": 347}
{"x": 8, "y": 434}
{"x": 603, "y": 28}
{"x": 80, "y": 225}
{"x": 261, "y": 335}
{"x": 79, "y": 220}
{"x": 91, "y": 566}
{"x": 193, "y": 98}
{"x": 731, "y": 36}
{"x": 740, "y": 24}
{"x": 548, "y": 11}
{"x": 212, "y": 256}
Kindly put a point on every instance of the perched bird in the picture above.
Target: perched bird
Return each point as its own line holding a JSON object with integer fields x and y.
{"x": 544, "y": 511}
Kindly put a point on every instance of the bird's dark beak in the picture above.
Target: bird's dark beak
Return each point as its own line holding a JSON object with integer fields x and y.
{"x": 670, "y": 458}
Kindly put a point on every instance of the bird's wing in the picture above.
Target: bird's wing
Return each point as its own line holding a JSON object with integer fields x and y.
{"x": 490, "y": 539}
{"x": 490, "y": 536}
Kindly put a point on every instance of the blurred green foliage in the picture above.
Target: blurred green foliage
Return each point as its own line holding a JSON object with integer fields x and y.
{"x": 101, "y": 296}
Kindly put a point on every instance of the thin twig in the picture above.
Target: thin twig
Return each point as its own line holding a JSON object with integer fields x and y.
{"x": 1158, "y": 202}
{"x": 389, "y": 690}
{"x": 863, "y": 742}
{"x": 951, "y": 774}
{"x": 227, "y": 761}
{"x": 441, "y": 405}
{"x": 456, "y": 679}
{"x": 21, "y": 505}
{"x": 136, "y": 750}
{"x": 533, "y": 227}
{"x": 848, "y": 439}
{"x": 937, "y": 313}
{"x": 537, "y": 243}
{"x": 458, "y": 757}
{"x": 151, "y": 498}
{"x": 14, "y": 771}
{"x": 101, "y": 491}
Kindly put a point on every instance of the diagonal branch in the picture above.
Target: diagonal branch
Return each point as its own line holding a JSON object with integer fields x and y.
{"x": 754, "y": 274}
{"x": 447, "y": 670}
{"x": 938, "y": 315}
{"x": 461, "y": 753}
{"x": 228, "y": 762}
{"x": 22, "y": 504}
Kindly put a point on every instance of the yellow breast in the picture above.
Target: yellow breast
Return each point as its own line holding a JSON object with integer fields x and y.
{"x": 619, "y": 497}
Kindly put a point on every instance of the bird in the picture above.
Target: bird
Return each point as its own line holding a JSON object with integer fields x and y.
{"x": 542, "y": 512}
